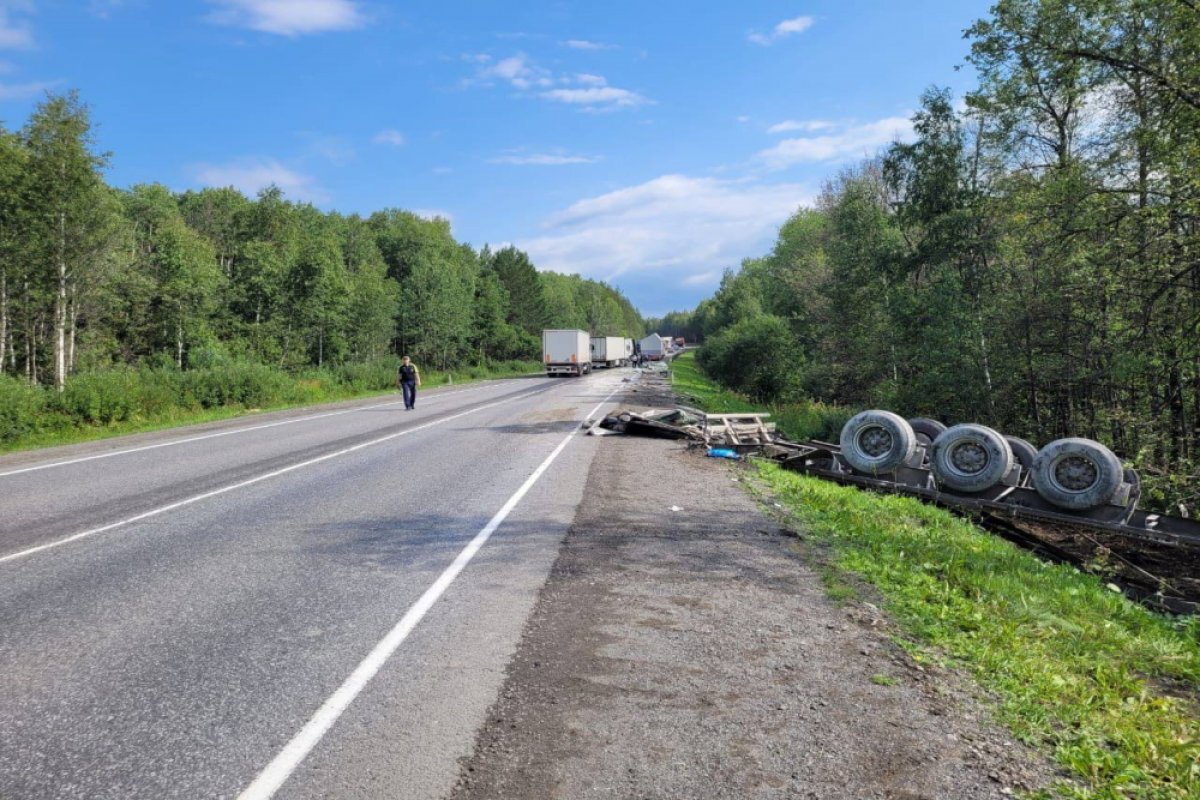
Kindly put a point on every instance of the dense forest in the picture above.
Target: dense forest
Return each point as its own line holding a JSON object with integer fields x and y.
{"x": 1030, "y": 260}
{"x": 96, "y": 278}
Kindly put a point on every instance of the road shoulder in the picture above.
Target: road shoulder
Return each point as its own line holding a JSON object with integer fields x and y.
{"x": 683, "y": 647}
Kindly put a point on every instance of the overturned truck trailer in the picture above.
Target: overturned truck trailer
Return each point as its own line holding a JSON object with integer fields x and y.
{"x": 1070, "y": 481}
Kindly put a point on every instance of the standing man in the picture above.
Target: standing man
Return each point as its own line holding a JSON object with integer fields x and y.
{"x": 408, "y": 379}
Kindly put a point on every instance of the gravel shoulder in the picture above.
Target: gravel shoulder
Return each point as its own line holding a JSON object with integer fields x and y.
{"x": 692, "y": 652}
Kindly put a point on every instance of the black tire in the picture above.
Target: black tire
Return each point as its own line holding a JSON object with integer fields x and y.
{"x": 970, "y": 458}
{"x": 877, "y": 441}
{"x": 926, "y": 429}
{"x": 1076, "y": 474}
{"x": 1023, "y": 451}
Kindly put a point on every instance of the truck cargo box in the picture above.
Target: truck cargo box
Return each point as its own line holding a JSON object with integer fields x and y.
{"x": 566, "y": 352}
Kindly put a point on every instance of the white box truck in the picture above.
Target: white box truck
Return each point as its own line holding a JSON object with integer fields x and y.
{"x": 654, "y": 348}
{"x": 567, "y": 352}
{"x": 609, "y": 351}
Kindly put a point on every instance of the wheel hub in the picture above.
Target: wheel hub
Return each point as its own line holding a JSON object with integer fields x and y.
{"x": 969, "y": 458}
{"x": 1075, "y": 473}
{"x": 875, "y": 442}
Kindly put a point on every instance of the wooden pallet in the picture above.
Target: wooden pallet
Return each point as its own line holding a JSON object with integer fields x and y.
{"x": 738, "y": 429}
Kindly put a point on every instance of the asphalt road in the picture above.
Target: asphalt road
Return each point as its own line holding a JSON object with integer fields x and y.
{"x": 280, "y": 606}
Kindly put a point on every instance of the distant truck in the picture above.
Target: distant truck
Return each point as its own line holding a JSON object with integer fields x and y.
{"x": 611, "y": 351}
{"x": 680, "y": 343}
{"x": 567, "y": 352}
{"x": 654, "y": 348}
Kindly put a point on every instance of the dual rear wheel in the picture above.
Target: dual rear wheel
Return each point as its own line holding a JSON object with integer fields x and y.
{"x": 1073, "y": 474}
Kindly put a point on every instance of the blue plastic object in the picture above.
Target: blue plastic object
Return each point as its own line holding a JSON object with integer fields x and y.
{"x": 720, "y": 452}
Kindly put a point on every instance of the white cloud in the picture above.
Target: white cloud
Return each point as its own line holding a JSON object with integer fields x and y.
{"x": 24, "y": 91}
{"x": 674, "y": 225}
{"x": 788, "y": 27}
{"x": 389, "y": 136}
{"x": 15, "y": 34}
{"x": 843, "y": 143}
{"x": 249, "y": 175}
{"x": 587, "y": 79}
{"x": 585, "y": 89}
{"x": 710, "y": 278}
{"x": 807, "y": 125}
{"x": 585, "y": 44}
{"x": 518, "y": 70}
{"x": 596, "y": 97}
{"x": 543, "y": 159}
{"x": 289, "y": 17}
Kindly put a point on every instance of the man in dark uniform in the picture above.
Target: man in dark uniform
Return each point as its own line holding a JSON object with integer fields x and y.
{"x": 408, "y": 379}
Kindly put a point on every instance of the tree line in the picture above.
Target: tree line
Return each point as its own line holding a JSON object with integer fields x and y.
{"x": 1030, "y": 260}
{"x": 95, "y": 277}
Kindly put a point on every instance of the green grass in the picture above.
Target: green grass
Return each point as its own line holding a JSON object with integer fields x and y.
{"x": 879, "y": 679}
{"x": 55, "y": 429}
{"x": 804, "y": 420}
{"x": 1106, "y": 687}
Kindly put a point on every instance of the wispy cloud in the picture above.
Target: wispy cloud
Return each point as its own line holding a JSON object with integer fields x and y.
{"x": 390, "y": 136}
{"x": 807, "y": 125}
{"x": 250, "y": 175}
{"x": 330, "y": 148}
{"x": 586, "y": 44}
{"x": 589, "y": 91}
{"x": 710, "y": 278}
{"x": 842, "y": 143}
{"x": 543, "y": 159}
{"x": 789, "y": 27}
{"x": 674, "y": 225}
{"x": 24, "y": 91}
{"x": 289, "y": 17}
{"x": 15, "y": 31}
{"x": 519, "y": 71}
{"x": 597, "y": 97}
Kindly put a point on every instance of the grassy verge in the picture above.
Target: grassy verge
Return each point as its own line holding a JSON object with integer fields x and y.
{"x": 120, "y": 402}
{"x": 806, "y": 420}
{"x": 1107, "y": 687}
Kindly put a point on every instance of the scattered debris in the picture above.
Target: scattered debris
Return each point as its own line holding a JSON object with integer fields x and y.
{"x": 655, "y": 424}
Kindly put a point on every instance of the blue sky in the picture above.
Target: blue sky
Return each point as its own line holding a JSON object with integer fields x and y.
{"x": 649, "y": 144}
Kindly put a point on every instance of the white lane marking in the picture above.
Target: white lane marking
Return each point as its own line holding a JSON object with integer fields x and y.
{"x": 294, "y": 752}
{"x": 251, "y": 481}
{"x": 232, "y": 432}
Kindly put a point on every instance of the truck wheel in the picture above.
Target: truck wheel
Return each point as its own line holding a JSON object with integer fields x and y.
{"x": 877, "y": 441}
{"x": 1023, "y": 451}
{"x": 970, "y": 458}
{"x": 926, "y": 429}
{"x": 1076, "y": 474}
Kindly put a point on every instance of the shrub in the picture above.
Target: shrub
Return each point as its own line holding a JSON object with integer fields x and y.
{"x": 99, "y": 398}
{"x": 21, "y": 408}
{"x": 238, "y": 383}
{"x": 758, "y": 357}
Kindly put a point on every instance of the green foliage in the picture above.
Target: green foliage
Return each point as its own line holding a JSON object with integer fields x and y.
{"x": 144, "y": 304}
{"x": 99, "y": 398}
{"x": 1071, "y": 663}
{"x": 22, "y": 409}
{"x": 1028, "y": 262}
{"x": 802, "y": 419}
{"x": 756, "y": 356}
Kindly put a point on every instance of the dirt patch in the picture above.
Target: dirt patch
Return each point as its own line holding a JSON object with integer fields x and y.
{"x": 694, "y": 654}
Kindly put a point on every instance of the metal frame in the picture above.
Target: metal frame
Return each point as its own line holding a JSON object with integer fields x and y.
{"x": 1011, "y": 497}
